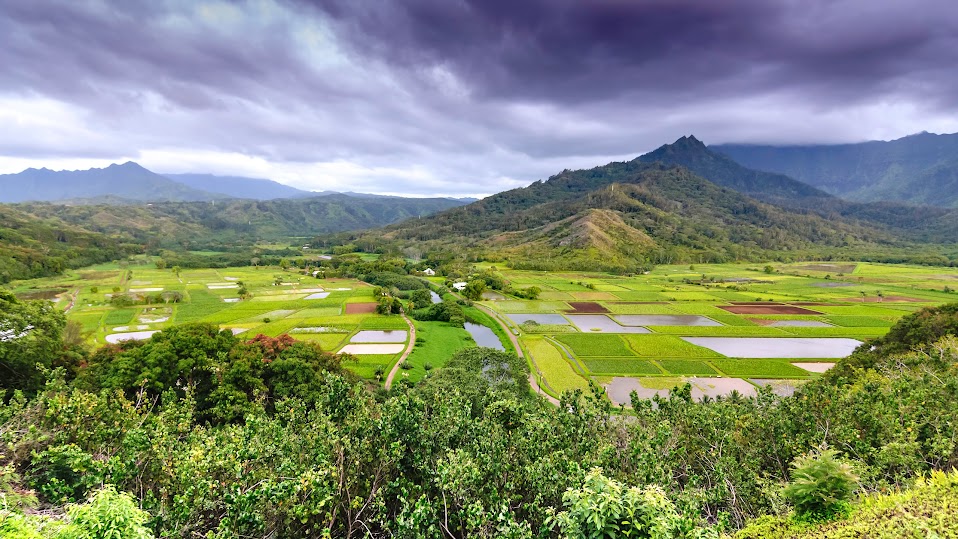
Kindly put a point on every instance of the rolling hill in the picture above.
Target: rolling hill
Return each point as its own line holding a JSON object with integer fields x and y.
{"x": 918, "y": 169}
{"x": 176, "y": 223}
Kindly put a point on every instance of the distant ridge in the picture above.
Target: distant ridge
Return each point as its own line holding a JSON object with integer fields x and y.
{"x": 239, "y": 186}
{"x": 128, "y": 181}
{"x": 917, "y": 169}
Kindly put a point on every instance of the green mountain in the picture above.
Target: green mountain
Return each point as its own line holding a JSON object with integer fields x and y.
{"x": 34, "y": 247}
{"x": 129, "y": 182}
{"x": 918, "y": 169}
{"x": 179, "y": 223}
{"x": 627, "y": 215}
{"x": 239, "y": 186}
{"x": 927, "y": 224}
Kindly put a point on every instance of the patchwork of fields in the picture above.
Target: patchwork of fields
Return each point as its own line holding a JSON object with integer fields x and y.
{"x": 338, "y": 314}
{"x": 722, "y": 328}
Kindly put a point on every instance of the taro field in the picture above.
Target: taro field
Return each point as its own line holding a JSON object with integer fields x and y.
{"x": 722, "y": 328}
{"x": 338, "y": 314}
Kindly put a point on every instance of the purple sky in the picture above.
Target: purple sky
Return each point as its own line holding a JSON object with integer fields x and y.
{"x": 456, "y": 97}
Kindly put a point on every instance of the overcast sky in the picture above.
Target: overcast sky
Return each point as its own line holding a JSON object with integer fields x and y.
{"x": 456, "y": 97}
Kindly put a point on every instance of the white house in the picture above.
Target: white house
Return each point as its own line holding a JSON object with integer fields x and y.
{"x": 429, "y": 271}
{"x": 460, "y": 286}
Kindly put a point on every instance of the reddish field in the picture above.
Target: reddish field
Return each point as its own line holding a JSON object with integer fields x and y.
{"x": 586, "y": 307}
{"x": 360, "y": 308}
{"x": 765, "y": 309}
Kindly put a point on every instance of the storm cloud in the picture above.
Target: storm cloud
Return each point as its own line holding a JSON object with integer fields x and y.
{"x": 456, "y": 97}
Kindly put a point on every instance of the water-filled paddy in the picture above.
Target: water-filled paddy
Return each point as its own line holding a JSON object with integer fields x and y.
{"x": 765, "y": 347}
{"x": 318, "y": 295}
{"x": 434, "y": 297}
{"x": 664, "y": 320}
{"x": 800, "y": 324}
{"x": 484, "y": 336}
{"x": 814, "y": 367}
{"x": 372, "y": 349}
{"x": 544, "y": 319}
{"x": 600, "y": 323}
{"x": 132, "y": 336}
{"x": 379, "y": 336}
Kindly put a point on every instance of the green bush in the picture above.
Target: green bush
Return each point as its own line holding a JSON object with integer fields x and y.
{"x": 821, "y": 486}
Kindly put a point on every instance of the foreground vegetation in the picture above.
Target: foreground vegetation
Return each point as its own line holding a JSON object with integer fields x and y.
{"x": 217, "y": 436}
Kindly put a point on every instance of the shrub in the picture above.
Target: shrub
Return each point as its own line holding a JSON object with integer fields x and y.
{"x": 821, "y": 486}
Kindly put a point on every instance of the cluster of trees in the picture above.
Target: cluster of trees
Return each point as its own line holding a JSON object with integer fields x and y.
{"x": 222, "y": 438}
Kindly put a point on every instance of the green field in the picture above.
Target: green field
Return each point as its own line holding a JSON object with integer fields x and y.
{"x": 859, "y": 304}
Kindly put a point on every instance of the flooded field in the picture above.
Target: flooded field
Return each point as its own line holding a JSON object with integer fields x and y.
{"x": 372, "y": 349}
{"x": 379, "y": 336}
{"x": 814, "y": 367}
{"x": 544, "y": 319}
{"x": 484, "y": 336}
{"x": 132, "y": 336}
{"x": 600, "y": 323}
{"x": 787, "y": 347}
{"x": 664, "y": 320}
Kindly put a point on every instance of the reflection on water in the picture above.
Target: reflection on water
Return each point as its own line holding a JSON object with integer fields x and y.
{"x": 484, "y": 336}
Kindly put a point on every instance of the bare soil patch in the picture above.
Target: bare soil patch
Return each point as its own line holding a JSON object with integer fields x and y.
{"x": 640, "y": 302}
{"x": 360, "y": 308}
{"x": 97, "y": 275}
{"x": 886, "y": 299}
{"x": 755, "y": 303}
{"x": 586, "y": 307}
{"x": 766, "y": 309}
{"x": 838, "y": 268}
{"x": 41, "y": 294}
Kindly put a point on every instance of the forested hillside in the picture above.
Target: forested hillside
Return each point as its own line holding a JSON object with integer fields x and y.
{"x": 196, "y": 432}
{"x": 917, "y": 223}
{"x": 918, "y": 169}
{"x": 623, "y": 216}
{"x": 204, "y": 223}
{"x": 32, "y": 247}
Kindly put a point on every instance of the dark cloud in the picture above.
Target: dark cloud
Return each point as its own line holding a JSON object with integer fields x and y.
{"x": 458, "y": 96}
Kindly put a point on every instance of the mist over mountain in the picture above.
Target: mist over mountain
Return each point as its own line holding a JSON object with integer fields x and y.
{"x": 918, "y": 169}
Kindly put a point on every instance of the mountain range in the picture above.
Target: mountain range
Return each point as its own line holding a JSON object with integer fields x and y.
{"x": 682, "y": 202}
{"x": 917, "y": 169}
{"x": 130, "y": 183}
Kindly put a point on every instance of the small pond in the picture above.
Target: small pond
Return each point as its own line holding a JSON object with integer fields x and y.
{"x": 765, "y": 347}
{"x": 544, "y": 319}
{"x": 318, "y": 295}
{"x": 665, "y": 320}
{"x": 379, "y": 336}
{"x": 484, "y": 336}
{"x": 434, "y": 297}
{"x": 600, "y": 323}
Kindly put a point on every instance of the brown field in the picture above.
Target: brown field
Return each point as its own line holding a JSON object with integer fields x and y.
{"x": 586, "y": 307}
{"x": 766, "y": 309}
{"x": 41, "y": 294}
{"x": 886, "y": 299}
{"x": 755, "y": 303}
{"x": 837, "y": 268}
{"x": 360, "y": 308}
